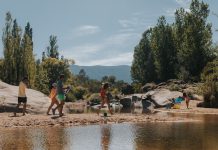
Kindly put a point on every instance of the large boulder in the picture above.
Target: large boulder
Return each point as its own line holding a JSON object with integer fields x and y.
{"x": 37, "y": 102}
{"x": 148, "y": 86}
{"x": 161, "y": 97}
{"x": 126, "y": 101}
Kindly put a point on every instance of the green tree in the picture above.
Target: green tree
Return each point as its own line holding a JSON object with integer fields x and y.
{"x": 210, "y": 87}
{"x": 8, "y": 50}
{"x": 52, "y": 49}
{"x": 28, "y": 59}
{"x": 194, "y": 37}
{"x": 163, "y": 46}
{"x": 143, "y": 68}
{"x": 54, "y": 68}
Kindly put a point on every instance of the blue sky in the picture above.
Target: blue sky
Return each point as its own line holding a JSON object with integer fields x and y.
{"x": 94, "y": 32}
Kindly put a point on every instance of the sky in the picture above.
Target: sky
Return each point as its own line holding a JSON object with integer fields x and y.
{"x": 94, "y": 32}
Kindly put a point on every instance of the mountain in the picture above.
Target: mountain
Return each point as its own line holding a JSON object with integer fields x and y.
{"x": 121, "y": 72}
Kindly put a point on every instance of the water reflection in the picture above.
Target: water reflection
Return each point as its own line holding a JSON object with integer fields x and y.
{"x": 149, "y": 136}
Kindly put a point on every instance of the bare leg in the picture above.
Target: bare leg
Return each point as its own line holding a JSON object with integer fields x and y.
{"x": 109, "y": 108}
{"x": 49, "y": 108}
{"x": 24, "y": 109}
{"x": 187, "y": 103}
{"x": 17, "y": 108}
{"x": 61, "y": 108}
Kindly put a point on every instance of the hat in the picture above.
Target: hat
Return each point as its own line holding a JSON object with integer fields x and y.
{"x": 54, "y": 84}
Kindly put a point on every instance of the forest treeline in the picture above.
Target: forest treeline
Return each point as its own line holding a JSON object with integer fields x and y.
{"x": 180, "y": 50}
{"x": 19, "y": 61}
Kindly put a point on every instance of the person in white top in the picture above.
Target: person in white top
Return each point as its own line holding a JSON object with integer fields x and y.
{"x": 22, "y": 95}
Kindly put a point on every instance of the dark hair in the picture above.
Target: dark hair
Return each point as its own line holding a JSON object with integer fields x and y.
{"x": 106, "y": 85}
{"x": 184, "y": 94}
{"x": 61, "y": 76}
{"x": 25, "y": 78}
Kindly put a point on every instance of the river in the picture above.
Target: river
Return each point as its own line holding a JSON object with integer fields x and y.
{"x": 200, "y": 135}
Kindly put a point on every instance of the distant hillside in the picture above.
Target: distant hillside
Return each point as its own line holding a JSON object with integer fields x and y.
{"x": 121, "y": 72}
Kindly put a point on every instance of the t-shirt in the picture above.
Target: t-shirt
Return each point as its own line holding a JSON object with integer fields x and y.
{"x": 22, "y": 90}
{"x": 60, "y": 87}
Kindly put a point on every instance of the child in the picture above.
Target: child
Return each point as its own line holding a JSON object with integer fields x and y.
{"x": 187, "y": 99}
{"x": 53, "y": 95}
{"x": 104, "y": 97}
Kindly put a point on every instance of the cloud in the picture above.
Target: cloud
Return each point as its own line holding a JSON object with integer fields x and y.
{"x": 85, "y": 30}
{"x": 122, "y": 58}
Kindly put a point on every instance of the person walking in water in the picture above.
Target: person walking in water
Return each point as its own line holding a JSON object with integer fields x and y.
{"x": 22, "y": 95}
{"x": 104, "y": 97}
{"x": 60, "y": 96}
{"x": 52, "y": 96}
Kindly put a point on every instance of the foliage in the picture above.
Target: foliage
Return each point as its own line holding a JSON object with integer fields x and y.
{"x": 210, "y": 87}
{"x": 18, "y": 59}
{"x": 52, "y": 49}
{"x": 79, "y": 92}
{"x": 169, "y": 51}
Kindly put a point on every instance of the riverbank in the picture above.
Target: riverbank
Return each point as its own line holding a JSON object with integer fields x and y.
{"x": 160, "y": 115}
{"x": 41, "y": 120}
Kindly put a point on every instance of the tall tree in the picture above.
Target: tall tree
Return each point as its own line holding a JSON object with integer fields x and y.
{"x": 194, "y": 37}
{"x": 28, "y": 59}
{"x": 52, "y": 49}
{"x": 143, "y": 69}
{"x": 163, "y": 46}
{"x": 17, "y": 56}
{"x": 8, "y": 49}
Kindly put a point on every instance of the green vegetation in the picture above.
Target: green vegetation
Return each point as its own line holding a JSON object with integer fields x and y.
{"x": 181, "y": 50}
{"x": 178, "y": 50}
{"x": 210, "y": 87}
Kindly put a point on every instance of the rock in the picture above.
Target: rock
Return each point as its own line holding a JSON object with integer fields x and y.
{"x": 161, "y": 97}
{"x": 148, "y": 86}
{"x": 37, "y": 102}
{"x": 126, "y": 101}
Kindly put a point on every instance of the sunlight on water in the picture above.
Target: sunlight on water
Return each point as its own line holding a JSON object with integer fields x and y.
{"x": 149, "y": 136}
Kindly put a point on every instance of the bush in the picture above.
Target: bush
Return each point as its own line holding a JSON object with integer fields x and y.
{"x": 79, "y": 92}
{"x": 210, "y": 87}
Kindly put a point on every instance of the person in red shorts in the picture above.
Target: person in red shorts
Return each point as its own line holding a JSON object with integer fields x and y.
{"x": 104, "y": 97}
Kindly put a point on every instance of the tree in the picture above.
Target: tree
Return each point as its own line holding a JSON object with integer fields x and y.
{"x": 28, "y": 60}
{"x": 210, "y": 87}
{"x": 163, "y": 46}
{"x": 54, "y": 68}
{"x": 52, "y": 49}
{"x": 143, "y": 68}
{"x": 194, "y": 37}
{"x": 8, "y": 50}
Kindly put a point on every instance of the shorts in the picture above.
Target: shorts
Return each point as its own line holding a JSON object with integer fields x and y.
{"x": 22, "y": 99}
{"x": 61, "y": 97}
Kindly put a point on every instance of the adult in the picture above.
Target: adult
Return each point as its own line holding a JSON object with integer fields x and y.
{"x": 22, "y": 98}
{"x": 104, "y": 97}
{"x": 60, "y": 96}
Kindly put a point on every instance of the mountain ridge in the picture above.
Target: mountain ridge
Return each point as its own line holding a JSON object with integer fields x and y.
{"x": 121, "y": 72}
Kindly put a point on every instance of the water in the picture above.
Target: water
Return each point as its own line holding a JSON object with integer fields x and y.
{"x": 147, "y": 136}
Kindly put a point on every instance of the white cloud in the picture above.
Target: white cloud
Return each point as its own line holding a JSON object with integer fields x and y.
{"x": 121, "y": 58}
{"x": 86, "y": 30}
